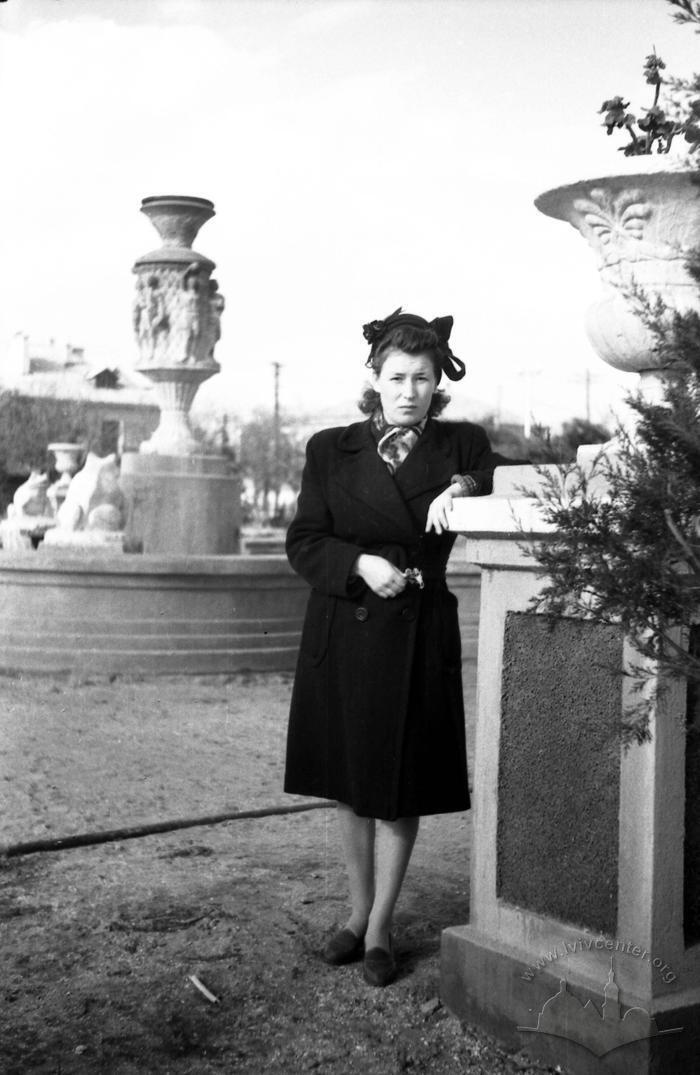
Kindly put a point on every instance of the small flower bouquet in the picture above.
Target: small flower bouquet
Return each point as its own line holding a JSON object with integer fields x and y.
{"x": 655, "y": 131}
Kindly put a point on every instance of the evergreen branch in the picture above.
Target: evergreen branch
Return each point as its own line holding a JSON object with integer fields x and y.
{"x": 691, "y": 558}
{"x": 688, "y": 11}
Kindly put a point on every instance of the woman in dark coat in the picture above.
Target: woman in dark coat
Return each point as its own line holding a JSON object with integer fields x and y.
{"x": 377, "y": 718}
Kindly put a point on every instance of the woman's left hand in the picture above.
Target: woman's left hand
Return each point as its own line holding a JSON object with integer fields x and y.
{"x": 438, "y": 511}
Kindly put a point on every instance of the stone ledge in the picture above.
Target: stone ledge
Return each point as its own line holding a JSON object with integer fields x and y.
{"x": 152, "y": 614}
{"x": 82, "y": 562}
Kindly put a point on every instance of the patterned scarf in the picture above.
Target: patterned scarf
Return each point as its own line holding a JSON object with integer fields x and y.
{"x": 394, "y": 442}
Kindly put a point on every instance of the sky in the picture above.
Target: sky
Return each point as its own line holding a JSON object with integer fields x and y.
{"x": 361, "y": 155}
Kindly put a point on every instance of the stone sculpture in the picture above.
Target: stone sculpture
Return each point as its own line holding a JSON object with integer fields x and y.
{"x": 641, "y": 228}
{"x": 177, "y": 318}
{"x": 186, "y": 318}
{"x": 67, "y": 458}
{"x": 94, "y": 487}
{"x": 177, "y": 307}
{"x": 93, "y": 512}
{"x": 217, "y": 303}
{"x": 150, "y": 317}
{"x": 29, "y": 515}
{"x": 30, "y": 498}
{"x": 182, "y": 499}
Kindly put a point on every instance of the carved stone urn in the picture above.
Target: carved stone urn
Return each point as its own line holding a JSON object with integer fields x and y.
{"x": 68, "y": 458}
{"x": 177, "y": 317}
{"x": 180, "y": 500}
{"x": 641, "y": 227}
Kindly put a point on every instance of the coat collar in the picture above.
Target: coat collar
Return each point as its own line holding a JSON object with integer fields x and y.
{"x": 365, "y": 475}
{"x": 428, "y": 465}
{"x": 355, "y": 437}
{"x": 358, "y": 435}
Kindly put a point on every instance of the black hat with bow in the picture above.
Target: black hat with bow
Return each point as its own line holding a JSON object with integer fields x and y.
{"x": 375, "y": 332}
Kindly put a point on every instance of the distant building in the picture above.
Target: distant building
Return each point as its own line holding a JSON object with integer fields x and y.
{"x": 122, "y": 400}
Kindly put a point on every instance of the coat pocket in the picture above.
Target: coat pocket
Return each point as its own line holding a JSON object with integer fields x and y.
{"x": 317, "y": 627}
{"x": 450, "y": 633}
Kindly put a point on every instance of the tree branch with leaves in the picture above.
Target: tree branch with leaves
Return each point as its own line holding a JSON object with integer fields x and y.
{"x": 626, "y": 543}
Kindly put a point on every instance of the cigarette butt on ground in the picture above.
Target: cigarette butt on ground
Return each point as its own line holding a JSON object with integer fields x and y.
{"x": 203, "y": 989}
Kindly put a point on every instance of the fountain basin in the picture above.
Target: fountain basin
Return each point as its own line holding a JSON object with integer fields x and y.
{"x": 98, "y": 613}
{"x": 105, "y": 613}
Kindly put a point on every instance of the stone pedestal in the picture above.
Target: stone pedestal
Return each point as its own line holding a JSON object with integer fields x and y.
{"x": 181, "y": 504}
{"x": 583, "y": 853}
{"x": 176, "y": 387}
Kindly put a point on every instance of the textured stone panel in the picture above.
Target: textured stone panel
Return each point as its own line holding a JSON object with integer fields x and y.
{"x": 559, "y": 769}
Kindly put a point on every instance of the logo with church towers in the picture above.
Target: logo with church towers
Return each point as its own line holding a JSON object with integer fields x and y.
{"x": 564, "y": 1016}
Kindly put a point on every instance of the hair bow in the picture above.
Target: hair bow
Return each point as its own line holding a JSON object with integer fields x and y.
{"x": 451, "y": 366}
{"x": 374, "y": 330}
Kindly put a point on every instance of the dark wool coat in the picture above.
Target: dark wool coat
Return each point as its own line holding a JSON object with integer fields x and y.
{"x": 377, "y": 718}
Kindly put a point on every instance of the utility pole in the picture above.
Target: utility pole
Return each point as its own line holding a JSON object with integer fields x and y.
{"x": 588, "y": 395}
{"x": 276, "y": 436}
{"x": 528, "y": 417}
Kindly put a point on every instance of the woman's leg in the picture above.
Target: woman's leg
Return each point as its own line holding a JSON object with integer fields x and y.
{"x": 357, "y": 836}
{"x": 396, "y": 840}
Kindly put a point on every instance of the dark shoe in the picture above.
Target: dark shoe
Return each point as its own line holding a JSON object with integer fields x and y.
{"x": 343, "y": 947}
{"x": 379, "y": 966}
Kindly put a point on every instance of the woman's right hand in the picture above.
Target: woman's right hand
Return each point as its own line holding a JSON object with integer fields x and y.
{"x": 381, "y": 576}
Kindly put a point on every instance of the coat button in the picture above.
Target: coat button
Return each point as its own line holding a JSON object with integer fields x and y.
{"x": 408, "y": 614}
{"x": 361, "y": 613}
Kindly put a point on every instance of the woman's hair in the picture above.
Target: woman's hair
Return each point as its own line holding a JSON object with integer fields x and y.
{"x": 412, "y": 340}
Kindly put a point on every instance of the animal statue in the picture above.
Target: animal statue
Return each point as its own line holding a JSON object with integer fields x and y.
{"x": 30, "y": 498}
{"x": 94, "y": 500}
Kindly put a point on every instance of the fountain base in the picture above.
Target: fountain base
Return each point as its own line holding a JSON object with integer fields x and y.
{"x": 181, "y": 504}
{"x": 100, "y": 614}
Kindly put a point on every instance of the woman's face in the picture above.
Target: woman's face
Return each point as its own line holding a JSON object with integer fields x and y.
{"x": 406, "y": 384}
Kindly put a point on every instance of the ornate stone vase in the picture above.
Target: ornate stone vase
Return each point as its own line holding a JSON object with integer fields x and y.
{"x": 176, "y": 317}
{"x": 176, "y": 389}
{"x": 68, "y": 458}
{"x": 642, "y": 228}
{"x": 177, "y": 218}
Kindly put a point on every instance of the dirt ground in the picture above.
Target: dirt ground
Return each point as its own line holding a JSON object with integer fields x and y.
{"x": 98, "y": 943}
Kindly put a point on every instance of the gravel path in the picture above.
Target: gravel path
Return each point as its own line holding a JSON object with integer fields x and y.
{"x": 99, "y": 942}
